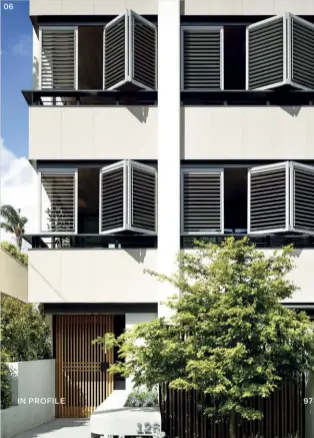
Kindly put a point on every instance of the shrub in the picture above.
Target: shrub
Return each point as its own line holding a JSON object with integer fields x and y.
{"x": 24, "y": 332}
{"x": 15, "y": 253}
{"x": 6, "y": 393}
{"x": 142, "y": 399}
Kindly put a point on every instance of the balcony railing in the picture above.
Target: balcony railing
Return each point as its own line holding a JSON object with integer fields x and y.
{"x": 89, "y": 241}
{"x": 150, "y": 98}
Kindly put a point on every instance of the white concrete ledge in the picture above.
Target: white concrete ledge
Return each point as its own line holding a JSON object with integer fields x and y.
{"x": 113, "y": 418}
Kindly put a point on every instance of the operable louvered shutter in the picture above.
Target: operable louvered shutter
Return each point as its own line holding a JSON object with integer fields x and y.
{"x": 265, "y": 59}
{"x": 130, "y": 52}
{"x": 301, "y": 50}
{"x": 268, "y": 196}
{"x": 202, "y": 202}
{"x": 202, "y": 58}
{"x": 58, "y": 58}
{"x": 115, "y": 56}
{"x": 144, "y": 50}
{"x": 143, "y": 197}
{"x": 112, "y": 198}
{"x": 302, "y": 199}
{"x": 58, "y": 201}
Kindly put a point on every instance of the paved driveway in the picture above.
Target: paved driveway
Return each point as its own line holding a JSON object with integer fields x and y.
{"x": 59, "y": 428}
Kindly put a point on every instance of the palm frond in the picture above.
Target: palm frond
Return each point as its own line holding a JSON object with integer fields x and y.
{"x": 8, "y": 228}
{"x": 9, "y": 214}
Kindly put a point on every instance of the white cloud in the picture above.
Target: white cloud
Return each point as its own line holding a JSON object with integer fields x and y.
{"x": 24, "y": 46}
{"x": 18, "y": 187}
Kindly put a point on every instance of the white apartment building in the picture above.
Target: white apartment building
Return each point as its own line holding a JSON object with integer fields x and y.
{"x": 152, "y": 123}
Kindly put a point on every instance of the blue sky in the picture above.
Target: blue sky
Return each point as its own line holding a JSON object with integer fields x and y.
{"x": 18, "y": 179}
{"x": 16, "y": 74}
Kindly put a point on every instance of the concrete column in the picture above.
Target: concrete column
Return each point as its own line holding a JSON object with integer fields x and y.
{"x": 132, "y": 319}
{"x": 168, "y": 143}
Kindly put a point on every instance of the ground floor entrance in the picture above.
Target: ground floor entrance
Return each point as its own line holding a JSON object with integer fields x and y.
{"x": 82, "y": 379}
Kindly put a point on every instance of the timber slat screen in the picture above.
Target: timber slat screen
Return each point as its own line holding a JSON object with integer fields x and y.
{"x": 79, "y": 379}
{"x": 283, "y": 415}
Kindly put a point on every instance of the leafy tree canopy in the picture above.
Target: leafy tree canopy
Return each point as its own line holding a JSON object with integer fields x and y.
{"x": 228, "y": 335}
{"x": 13, "y": 222}
{"x": 24, "y": 332}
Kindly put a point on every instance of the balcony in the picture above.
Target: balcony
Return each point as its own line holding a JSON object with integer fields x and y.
{"x": 92, "y": 276}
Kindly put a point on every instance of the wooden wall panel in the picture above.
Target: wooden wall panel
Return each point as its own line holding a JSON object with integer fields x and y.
{"x": 79, "y": 379}
{"x": 283, "y": 415}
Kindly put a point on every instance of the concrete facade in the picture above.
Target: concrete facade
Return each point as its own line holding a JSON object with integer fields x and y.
{"x": 13, "y": 277}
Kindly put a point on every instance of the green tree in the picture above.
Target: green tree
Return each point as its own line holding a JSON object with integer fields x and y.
{"x": 24, "y": 332}
{"x": 228, "y": 335}
{"x": 13, "y": 222}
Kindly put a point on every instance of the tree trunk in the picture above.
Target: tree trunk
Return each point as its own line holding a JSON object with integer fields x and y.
{"x": 232, "y": 425}
{"x": 19, "y": 242}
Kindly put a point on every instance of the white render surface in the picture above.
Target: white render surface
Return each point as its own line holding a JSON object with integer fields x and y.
{"x": 96, "y": 275}
{"x": 112, "y": 418}
{"x": 93, "y": 133}
{"x": 30, "y": 380}
{"x": 91, "y": 7}
{"x": 247, "y": 7}
{"x": 257, "y": 133}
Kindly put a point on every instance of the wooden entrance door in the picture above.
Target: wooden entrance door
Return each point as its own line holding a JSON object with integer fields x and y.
{"x": 80, "y": 380}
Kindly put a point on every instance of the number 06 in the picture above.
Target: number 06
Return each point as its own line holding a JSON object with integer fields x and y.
{"x": 8, "y": 6}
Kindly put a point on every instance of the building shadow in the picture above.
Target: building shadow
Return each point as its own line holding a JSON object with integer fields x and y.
{"x": 140, "y": 112}
{"x": 292, "y": 110}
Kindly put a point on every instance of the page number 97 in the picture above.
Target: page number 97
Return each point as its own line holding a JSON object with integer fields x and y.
{"x": 8, "y": 6}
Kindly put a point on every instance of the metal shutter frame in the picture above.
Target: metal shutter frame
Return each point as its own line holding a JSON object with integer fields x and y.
{"x": 203, "y": 171}
{"x": 130, "y": 57}
{"x": 260, "y": 170}
{"x": 302, "y": 197}
{"x": 149, "y": 170}
{"x": 201, "y": 29}
{"x": 58, "y": 173}
{"x": 58, "y": 29}
{"x": 284, "y": 49}
{"x": 107, "y": 170}
{"x": 297, "y": 73}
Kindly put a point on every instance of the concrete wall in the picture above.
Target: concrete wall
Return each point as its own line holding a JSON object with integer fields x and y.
{"x": 91, "y": 7}
{"x": 97, "y": 275}
{"x": 30, "y": 380}
{"x": 189, "y": 7}
{"x": 13, "y": 277}
{"x": 92, "y": 133}
{"x": 258, "y": 133}
{"x": 132, "y": 319}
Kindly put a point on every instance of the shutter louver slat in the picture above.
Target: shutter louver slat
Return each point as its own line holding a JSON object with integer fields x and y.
{"x": 60, "y": 189}
{"x": 202, "y": 202}
{"x": 302, "y": 58}
{"x": 303, "y": 198}
{"x": 114, "y": 53}
{"x": 202, "y": 59}
{"x": 143, "y": 198}
{"x": 58, "y": 59}
{"x": 268, "y": 199}
{"x": 144, "y": 52}
{"x": 112, "y": 200}
{"x": 265, "y": 54}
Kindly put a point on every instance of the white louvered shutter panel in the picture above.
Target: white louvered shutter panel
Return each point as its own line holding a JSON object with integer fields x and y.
{"x": 301, "y": 52}
{"x": 58, "y": 194}
{"x": 112, "y": 198}
{"x": 143, "y": 198}
{"x": 143, "y": 66}
{"x": 202, "y": 58}
{"x": 202, "y": 202}
{"x": 58, "y": 58}
{"x": 302, "y": 208}
{"x": 265, "y": 54}
{"x": 268, "y": 195}
{"x": 115, "y": 56}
